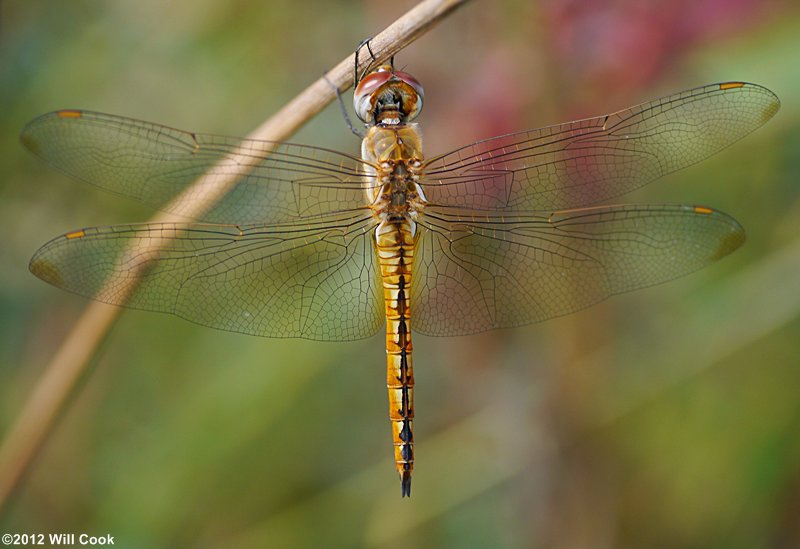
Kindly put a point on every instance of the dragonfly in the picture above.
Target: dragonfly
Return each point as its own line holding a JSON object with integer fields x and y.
{"x": 324, "y": 245}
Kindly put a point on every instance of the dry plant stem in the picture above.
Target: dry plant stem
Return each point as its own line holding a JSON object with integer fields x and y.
{"x": 60, "y": 378}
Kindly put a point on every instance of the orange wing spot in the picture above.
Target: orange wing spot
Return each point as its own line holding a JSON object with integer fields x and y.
{"x": 703, "y": 210}
{"x": 731, "y": 85}
{"x": 75, "y": 234}
{"x": 69, "y": 113}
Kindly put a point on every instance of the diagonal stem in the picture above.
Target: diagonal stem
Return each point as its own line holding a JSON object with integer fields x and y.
{"x": 50, "y": 396}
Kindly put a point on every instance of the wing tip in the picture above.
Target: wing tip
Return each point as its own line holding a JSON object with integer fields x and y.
{"x": 28, "y": 135}
{"x": 45, "y": 270}
{"x": 731, "y": 240}
{"x": 772, "y": 104}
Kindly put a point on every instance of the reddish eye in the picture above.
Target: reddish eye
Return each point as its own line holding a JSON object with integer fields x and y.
{"x": 372, "y": 82}
{"x": 411, "y": 81}
{"x": 404, "y": 91}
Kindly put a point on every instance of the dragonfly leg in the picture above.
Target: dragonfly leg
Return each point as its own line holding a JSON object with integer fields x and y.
{"x": 346, "y": 116}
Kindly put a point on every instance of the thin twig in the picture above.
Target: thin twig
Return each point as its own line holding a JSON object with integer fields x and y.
{"x": 49, "y": 398}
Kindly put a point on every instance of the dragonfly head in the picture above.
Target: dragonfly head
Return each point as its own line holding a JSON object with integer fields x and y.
{"x": 387, "y": 96}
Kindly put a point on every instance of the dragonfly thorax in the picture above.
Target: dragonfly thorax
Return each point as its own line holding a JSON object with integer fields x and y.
{"x": 398, "y": 194}
{"x": 394, "y": 156}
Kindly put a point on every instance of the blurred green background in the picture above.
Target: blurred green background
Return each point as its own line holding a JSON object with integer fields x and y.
{"x": 669, "y": 417}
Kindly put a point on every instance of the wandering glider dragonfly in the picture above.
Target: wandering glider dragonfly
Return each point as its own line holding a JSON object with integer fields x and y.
{"x": 319, "y": 244}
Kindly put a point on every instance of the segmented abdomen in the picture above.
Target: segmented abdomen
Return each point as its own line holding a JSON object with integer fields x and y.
{"x": 395, "y": 245}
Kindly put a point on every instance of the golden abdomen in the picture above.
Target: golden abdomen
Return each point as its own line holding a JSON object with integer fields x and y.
{"x": 394, "y": 239}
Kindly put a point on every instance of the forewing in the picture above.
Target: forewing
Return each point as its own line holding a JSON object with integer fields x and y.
{"x": 247, "y": 181}
{"x": 478, "y": 273}
{"x": 588, "y": 161}
{"x": 316, "y": 280}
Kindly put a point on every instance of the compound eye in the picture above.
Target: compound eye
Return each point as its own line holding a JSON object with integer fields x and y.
{"x": 411, "y": 81}
{"x": 372, "y": 82}
{"x": 363, "y": 102}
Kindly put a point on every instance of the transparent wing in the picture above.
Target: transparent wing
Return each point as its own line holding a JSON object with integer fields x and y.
{"x": 316, "y": 280}
{"x": 588, "y": 161}
{"x": 478, "y": 273}
{"x": 269, "y": 182}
